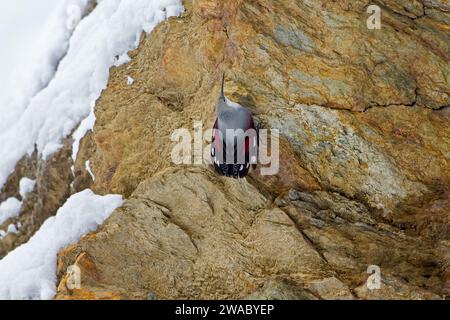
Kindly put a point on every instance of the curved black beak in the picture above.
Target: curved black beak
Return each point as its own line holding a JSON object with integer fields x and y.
{"x": 222, "y": 94}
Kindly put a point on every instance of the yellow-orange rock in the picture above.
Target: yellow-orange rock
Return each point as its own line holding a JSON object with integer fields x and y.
{"x": 365, "y": 146}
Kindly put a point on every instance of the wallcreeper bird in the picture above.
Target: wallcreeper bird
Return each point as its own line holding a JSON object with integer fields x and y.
{"x": 235, "y": 138}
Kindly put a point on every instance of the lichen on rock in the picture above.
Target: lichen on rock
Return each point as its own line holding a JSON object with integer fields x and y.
{"x": 364, "y": 178}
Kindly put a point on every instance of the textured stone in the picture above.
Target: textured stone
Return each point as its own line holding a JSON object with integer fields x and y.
{"x": 364, "y": 176}
{"x": 219, "y": 239}
{"x": 53, "y": 178}
{"x": 330, "y": 288}
{"x": 364, "y": 158}
{"x": 200, "y": 236}
{"x": 280, "y": 290}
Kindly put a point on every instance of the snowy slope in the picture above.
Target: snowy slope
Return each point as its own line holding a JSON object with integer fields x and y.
{"x": 21, "y": 20}
{"x": 47, "y": 93}
{"x": 34, "y": 37}
{"x": 29, "y": 272}
{"x": 111, "y": 30}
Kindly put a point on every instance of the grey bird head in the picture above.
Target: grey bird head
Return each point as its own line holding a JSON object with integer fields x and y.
{"x": 231, "y": 115}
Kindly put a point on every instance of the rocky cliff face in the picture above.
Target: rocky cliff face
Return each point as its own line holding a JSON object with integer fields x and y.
{"x": 53, "y": 186}
{"x": 364, "y": 157}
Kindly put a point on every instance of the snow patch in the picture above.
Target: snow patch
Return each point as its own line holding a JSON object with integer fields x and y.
{"x": 10, "y": 208}
{"x": 26, "y": 185}
{"x": 29, "y": 272}
{"x": 88, "y": 169}
{"x": 122, "y": 59}
{"x": 112, "y": 29}
{"x": 85, "y": 126}
{"x": 130, "y": 80}
{"x": 11, "y": 229}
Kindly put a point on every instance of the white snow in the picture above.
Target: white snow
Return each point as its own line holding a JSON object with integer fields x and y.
{"x": 29, "y": 272}
{"x": 34, "y": 36}
{"x": 26, "y": 185}
{"x": 11, "y": 229}
{"x": 123, "y": 59}
{"x": 59, "y": 100}
{"x": 9, "y": 208}
{"x": 88, "y": 169}
{"x": 86, "y": 125}
{"x": 130, "y": 80}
